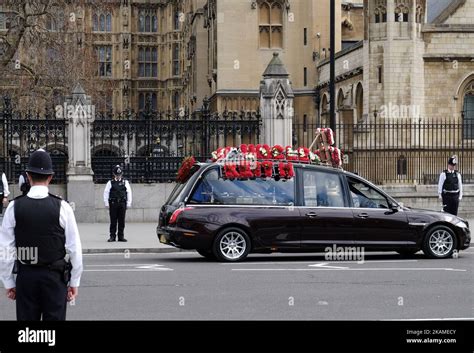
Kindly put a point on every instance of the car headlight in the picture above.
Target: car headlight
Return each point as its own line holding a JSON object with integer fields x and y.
{"x": 462, "y": 224}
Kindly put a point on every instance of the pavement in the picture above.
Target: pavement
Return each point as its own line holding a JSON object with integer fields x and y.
{"x": 141, "y": 238}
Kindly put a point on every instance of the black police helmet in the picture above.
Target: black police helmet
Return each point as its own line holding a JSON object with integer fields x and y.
{"x": 40, "y": 163}
{"x": 117, "y": 170}
{"x": 453, "y": 160}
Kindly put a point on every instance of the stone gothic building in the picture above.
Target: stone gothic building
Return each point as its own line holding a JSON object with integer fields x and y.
{"x": 414, "y": 68}
{"x": 414, "y": 62}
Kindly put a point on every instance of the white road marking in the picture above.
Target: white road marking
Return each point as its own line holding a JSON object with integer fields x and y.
{"x": 325, "y": 265}
{"x": 130, "y": 270}
{"x": 131, "y": 254}
{"x": 351, "y": 269}
{"x": 136, "y": 268}
{"x": 434, "y": 319}
{"x": 151, "y": 267}
{"x": 123, "y": 265}
{"x": 308, "y": 262}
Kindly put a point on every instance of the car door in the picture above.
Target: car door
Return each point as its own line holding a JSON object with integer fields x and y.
{"x": 324, "y": 212}
{"x": 375, "y": 222}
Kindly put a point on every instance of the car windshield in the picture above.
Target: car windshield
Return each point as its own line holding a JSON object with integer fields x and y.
{"x": 215, "y": 190}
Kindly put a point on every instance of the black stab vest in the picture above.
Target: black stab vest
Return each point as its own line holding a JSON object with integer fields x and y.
{"x": 37, "y": 226}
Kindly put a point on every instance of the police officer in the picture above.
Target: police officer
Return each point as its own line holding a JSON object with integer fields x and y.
{"x": 39, "y": 229}
{"x": 117, "y": 197}
{"x": 4, "y": 192}
{"x": 24, "y": 183}
{"x": 450, "y": 187}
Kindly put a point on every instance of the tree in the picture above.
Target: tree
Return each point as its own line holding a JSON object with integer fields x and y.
{"x": 44, "y": 53}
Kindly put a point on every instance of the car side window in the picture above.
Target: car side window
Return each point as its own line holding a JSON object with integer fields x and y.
{"x": 214, "y": 190}
{"x": 365, "y": 196}
{"x": 322, "y": 189}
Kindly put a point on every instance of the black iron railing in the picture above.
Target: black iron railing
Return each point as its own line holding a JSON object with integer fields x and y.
{"x": 401, "y": 152}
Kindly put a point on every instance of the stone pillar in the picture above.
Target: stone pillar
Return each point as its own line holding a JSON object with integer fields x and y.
{"x": 276, "y": 104}
{"x": 80, "y": 187}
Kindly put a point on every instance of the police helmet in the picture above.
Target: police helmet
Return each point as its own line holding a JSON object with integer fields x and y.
{"x": 453, "y": 160}
{"x": 40, "y": 163}
{"x": 117, "y": 170}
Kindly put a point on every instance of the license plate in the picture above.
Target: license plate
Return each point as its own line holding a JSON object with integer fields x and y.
{"x": 163, "y": 239}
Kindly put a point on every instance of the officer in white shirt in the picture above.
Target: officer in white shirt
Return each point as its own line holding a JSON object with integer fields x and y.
{"x": 39, "y": 229}
{"x": 117, "y": 198}
{"x": 4, "y": 192}
{"x": 450, "y": 187}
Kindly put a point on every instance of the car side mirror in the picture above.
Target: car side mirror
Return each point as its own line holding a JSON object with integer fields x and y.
{"x": 394, "y": 207}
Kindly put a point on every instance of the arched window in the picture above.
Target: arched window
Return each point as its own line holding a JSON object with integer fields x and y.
{"x": 95, "y": 23}
{"x": 102, "y": 23}
{"x": 141, "y": 23}
{"x": 271, "y": 24}
{"x": 177, "y": 16}
{"x": 401, "y": 13}
{"x": 380, "y": 13}
{"x": 340, "y": 100}
{"x": 147, "y": 100}
{"x": 468, "y": 112}
{"x": 420, "y": 14}
{"x": 324, "y": 104}
{"x": 108, "y": 23}
{"x": 147, "y": 21}
{"x": 176, "y": 98}
{"x": 147, "y": 24}
{"x": 359, "y": 102}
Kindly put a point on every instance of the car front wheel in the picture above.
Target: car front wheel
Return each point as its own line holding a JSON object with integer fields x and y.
{"x": 440, "y": 242}
{"x": 231, "y": 245}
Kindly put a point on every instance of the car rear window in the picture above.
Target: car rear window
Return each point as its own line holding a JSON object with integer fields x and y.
{"x": 214, "y": 190}
{"x": 176, "y": 195}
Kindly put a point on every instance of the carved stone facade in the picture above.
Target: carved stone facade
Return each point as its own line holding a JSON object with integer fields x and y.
{"x": 406, "y": 62}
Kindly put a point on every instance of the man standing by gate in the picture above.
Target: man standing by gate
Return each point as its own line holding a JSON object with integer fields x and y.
{"x": 4, "y": 192}
{"x": 450, "y": 187}
{"x": 117, "y": 197}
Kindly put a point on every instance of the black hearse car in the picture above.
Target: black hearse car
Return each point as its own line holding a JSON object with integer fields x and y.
{"x": 319, "y": 207}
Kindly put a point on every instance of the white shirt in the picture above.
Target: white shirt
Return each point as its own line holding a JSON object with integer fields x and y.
{"x": 108, "y": 186}
{"x": 6, "y": 192}
{"x": 21, "y": 181}
{"x": 7, "y": 239}
{"x": 442, "y": 179}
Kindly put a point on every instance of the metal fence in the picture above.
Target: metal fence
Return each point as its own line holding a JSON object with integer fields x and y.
{"x": 23, "y": 133}
{"x": 150, "y": 146}
{"x": 401, "y": 152}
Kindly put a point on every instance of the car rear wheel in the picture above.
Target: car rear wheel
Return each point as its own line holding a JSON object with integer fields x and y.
{"x": 207, "y": 254}
{"x": 440, "y": 242}
{"x": 231, "y": 244}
